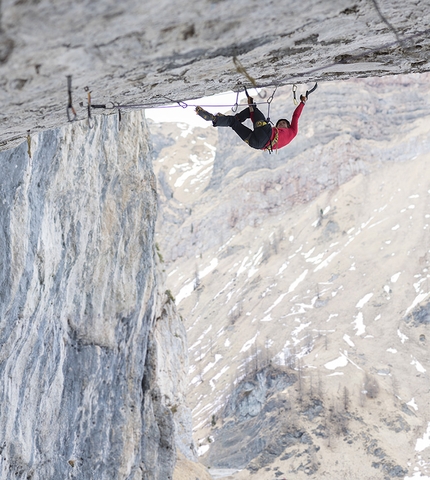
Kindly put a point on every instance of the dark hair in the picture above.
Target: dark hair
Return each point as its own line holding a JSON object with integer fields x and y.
{"x": 285, "y": 120}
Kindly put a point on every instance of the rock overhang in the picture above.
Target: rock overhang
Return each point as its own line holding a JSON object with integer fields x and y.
{"x": 150, "y": 54}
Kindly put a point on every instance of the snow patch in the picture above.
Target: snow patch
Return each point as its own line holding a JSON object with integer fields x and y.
{"x": 417, "y": 365}
{"x": 277, "y": 302}
{"x": 419, "y": 298}
{"x": 423, "y": 443}
{"x": 296, "y": 282}
{"x": 188, "y": 289}
{"x": 402, "y": 336}
{"x": 413, "y": 404}
{"x": 247, "y": 345}
{"x": 326, "y": 261}
{"x": 342, "y": 361}
{"x": 283, "y": 267}
{"x": 395, "y": 277}
{"x": 364, "y": 300}
{"x": 359, "y": 324}
{"x": 202, "y": 450}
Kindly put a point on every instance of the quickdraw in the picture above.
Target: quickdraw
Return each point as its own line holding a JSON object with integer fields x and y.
{"x": 119, "y": 119}
{"x": 269, "y": 102}
{"x": 70, "y": 109}
{"x": 294, "y": 95}
{"x": 179, "y": 102}
{"x": 90, "y": 119}
{"x": 28, "y": 143}
{"x": 236, "y": 105}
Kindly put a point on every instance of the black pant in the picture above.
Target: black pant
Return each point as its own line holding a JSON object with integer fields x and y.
{"x": 257, "y": 138}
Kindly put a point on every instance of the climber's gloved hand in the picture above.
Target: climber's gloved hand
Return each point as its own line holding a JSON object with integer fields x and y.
{"x": 303, "y": 98}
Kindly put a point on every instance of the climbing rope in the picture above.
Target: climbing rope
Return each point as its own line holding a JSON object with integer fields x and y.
{"x": 384, "y": 19}
{"x": 179, "y": 103}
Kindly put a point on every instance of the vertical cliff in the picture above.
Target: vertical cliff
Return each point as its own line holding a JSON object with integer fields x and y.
{"x": 80, "y": 359}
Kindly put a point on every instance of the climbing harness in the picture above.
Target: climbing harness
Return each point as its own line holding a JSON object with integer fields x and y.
{"x": 70, "y": 109}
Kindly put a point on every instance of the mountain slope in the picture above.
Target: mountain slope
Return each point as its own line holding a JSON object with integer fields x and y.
{"x": 315, "y": 265}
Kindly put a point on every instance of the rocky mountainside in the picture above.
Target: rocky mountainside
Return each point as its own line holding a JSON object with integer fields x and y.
{"x": 155, "y": 52}
{"x": 303, "y": 279}
{"x": 92, "y": 351}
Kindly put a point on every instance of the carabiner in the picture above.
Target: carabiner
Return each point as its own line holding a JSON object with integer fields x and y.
{"x": 294, "y": 94}
{"x": 236, "y": 105}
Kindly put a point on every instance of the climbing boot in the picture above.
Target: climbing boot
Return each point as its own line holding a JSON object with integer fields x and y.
{"x": 221, "y": 120}
{"x": 205, "y": 115}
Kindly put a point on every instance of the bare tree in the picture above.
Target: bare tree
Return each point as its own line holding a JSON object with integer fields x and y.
{"x": 197, "y": 280}
{"x": 211, "y": 345}
{"x": 395, "y": 385}
{"x": 311, "y": 387}
{"x": 320, "y": 387}
{"x": 300, "y": 380}
{"x": 346, "y": 399}
{"x": 291, "y": 358}
{"x": 267, "y": 351}
{"x": 371, "y": 386}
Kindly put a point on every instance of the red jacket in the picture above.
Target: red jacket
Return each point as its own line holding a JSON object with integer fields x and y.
{"x": 283, "y": 136}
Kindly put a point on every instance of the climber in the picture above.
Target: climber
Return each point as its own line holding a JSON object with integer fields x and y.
{"x": 264, "y": 136}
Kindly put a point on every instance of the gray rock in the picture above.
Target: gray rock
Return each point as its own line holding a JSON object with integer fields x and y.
{"x": 83, "y": 390}
{"x": 419, "y": 316}
{"x": 150, "y": 54}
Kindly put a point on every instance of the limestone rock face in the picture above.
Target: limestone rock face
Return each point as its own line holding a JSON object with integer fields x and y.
{"x": 80, "y": 357}
{"x": 156, "y": 51}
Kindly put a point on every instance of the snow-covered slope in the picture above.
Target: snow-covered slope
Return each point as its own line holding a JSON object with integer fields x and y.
{"x": 316, "y": 265}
